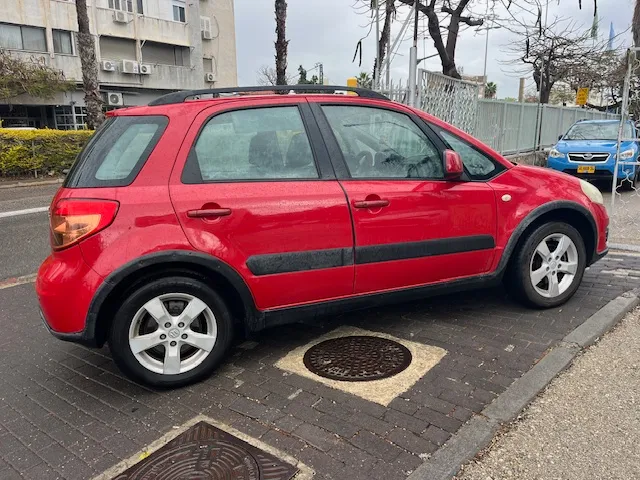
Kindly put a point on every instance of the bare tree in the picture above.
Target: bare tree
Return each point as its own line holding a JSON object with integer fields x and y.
{"x": 553, "y": 50}
{"x": 266, "y": 76}
{"x": 282, "y": 44}
{"x": 445, "y": 19}
{"x": 89, "y": 64}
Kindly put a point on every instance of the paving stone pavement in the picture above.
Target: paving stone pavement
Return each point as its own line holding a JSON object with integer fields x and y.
{"x": 67, "y": 412}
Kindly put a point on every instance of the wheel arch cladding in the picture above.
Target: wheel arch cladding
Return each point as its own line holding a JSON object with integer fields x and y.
{"x": 571, "y": 213}
{"x": 220, "y": 276}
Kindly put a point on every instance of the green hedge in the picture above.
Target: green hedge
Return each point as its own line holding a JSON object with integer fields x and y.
{"x": 24, "y": 152}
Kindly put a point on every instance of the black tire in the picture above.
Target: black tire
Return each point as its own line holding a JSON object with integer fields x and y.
{"x": 119, "y": 332}
{"x": 518, "y": 281}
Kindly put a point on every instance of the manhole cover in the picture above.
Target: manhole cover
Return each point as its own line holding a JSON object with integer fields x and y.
{"x": 206, "y": 452}
{"x": 357, "y": 358}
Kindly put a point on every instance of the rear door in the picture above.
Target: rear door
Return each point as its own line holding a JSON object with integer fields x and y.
{"x": 412, "y": 227}
{"x": 254, "y": 187}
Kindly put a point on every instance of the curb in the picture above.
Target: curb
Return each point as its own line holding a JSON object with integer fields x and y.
{"x": 476, "y": 434}
{"x": 31, "y": 184}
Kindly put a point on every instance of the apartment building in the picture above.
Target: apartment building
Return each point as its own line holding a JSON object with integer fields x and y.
{"x": 145, "y": 48}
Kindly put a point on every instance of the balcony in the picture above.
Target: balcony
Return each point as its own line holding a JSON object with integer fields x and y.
{"x": 148, "y": 28}
{"x": 69, "y": 64}
{"x": 163, "y": 31}
{"x": 162, "y": 77}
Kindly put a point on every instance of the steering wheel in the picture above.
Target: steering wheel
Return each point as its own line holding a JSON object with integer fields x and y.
{"x": 364, "y": 161}
{"x": 365, "y": 158}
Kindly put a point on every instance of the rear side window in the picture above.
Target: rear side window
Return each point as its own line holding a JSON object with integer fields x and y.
{"x": 267, "y": 143}
{"x": 117, "y": 152}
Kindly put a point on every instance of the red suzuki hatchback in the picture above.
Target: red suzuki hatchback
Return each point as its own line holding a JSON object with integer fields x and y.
{"x": 184, "y": 219}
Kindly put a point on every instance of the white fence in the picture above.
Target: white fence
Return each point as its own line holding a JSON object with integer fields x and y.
{"x": 508, "y": 127}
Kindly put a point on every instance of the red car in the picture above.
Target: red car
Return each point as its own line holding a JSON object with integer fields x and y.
{"x": 183, "y": 220}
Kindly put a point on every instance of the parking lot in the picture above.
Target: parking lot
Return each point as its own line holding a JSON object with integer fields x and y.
{"x": 67, "y": 412}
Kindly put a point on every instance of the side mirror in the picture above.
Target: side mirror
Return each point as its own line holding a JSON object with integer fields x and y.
{"x": 560, "y": 137}
{"x": 453, "y": 166}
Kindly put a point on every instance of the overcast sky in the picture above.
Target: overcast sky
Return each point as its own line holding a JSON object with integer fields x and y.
{"x": 327, "y": 31}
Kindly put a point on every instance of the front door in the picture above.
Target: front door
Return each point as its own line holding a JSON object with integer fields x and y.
{"x": 251, "y": 189}
{"x": 412, "y": 227}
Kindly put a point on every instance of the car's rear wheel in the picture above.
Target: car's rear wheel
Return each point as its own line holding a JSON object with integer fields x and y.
{"x": 548, "y": 267}
{"x": 171, "y": 332}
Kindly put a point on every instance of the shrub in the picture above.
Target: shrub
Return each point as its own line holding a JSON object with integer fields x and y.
{"x": 23, "y": 152}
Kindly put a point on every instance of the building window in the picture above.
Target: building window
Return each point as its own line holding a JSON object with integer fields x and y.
{"x": 179, "y": 13}
{"x": 126, "y": 5}
{"x": 140, "y": 7}
{"x": 62, "y": 42}
{"x": 16, "y": 37}
{"x": 81, "y": 118}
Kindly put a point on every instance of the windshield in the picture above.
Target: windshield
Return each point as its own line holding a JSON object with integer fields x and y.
{"x": 597, "y": 131}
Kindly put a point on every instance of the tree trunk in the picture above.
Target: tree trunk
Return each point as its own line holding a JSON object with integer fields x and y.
{"x": 450, "y": 69}
{"x": 87, "y": 49}
{"x": 635, "y": 24}
{"x": 390, "y": 11}
{"x": 282, "y": 43}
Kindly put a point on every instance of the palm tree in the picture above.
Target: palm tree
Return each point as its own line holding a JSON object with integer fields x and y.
{"x": 282, "y": 43}
{"x": 364, "y": 80}
{"x": 89, "y": 64}
{"x": 490, "y": 90}
{"x": 635, "y": 24}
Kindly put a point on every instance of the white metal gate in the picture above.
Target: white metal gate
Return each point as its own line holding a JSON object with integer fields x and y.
{"x": 624, "y": 206}
{"x": 451, "y": 100}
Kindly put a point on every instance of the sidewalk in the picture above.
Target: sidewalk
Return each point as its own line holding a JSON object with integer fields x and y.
{"x": 585, "y": 426}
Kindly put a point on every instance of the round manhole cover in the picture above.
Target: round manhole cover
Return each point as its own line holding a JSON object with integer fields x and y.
{"x": 357, "y": 358}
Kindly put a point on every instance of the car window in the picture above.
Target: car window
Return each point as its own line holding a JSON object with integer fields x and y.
{"x": 478, "y": 165}
{"x": 252, "y": 144}
{"x": 383, "y": 143}
{"x": 597, "y": 131}
{"x": 116, "y": 152}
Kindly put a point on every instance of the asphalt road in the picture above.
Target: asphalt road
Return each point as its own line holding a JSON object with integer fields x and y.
{"x": 25, "y": 238}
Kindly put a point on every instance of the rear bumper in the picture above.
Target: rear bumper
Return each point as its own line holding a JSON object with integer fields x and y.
{"x": 65, "y": 286}
{"x": 78, "y": 337}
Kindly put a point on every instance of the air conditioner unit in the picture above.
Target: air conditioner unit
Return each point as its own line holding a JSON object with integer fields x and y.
{"x": 114, "y": 99}
{"x": 145, "y": 69}
{"x": 108, "y": 66}
{"x": 205, "y": 28}
{"x": 129, "y": 66}
{"x": 120, "y": 17}
{"x": 210, "y": 77}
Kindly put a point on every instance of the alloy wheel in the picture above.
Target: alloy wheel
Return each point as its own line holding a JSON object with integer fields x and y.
{"x": 554, "y": 265}
{"x": 172, "y": 333}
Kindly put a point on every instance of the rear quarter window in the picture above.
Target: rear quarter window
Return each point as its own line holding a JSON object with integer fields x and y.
{"x": 117, "y": 152}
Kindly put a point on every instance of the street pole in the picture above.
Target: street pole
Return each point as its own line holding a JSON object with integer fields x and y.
{"x": 486, "y": 53}
{"x": 388, "y": 76}
{"x": 538, "y": 137}
{"x": 376, "y": 73}
{"x": 413, "y": 60}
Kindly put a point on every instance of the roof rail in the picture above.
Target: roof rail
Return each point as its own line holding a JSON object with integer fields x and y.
{"x": 180, "y": 97}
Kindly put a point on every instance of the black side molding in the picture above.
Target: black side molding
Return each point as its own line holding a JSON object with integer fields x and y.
{"x": 427, "y": 248}
{"x": 299, "y": 261}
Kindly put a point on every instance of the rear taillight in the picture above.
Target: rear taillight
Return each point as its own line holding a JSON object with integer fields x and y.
{"x": 72, "y": 220}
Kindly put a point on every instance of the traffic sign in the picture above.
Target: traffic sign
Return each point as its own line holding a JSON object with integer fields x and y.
{"x": 582, "y": 96}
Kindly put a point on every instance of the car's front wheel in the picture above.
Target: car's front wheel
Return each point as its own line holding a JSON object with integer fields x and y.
{"x": 170, "y": 332}
{"x": 548, "y": 267}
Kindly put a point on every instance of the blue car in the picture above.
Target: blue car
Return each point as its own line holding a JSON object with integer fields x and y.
{"x": 588, "y": 150}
